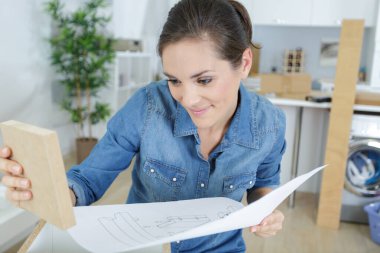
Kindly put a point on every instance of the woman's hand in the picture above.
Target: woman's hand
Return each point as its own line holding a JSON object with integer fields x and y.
{"x": 73, "y": 197}
{"x": 270, "y": 225}
{"x": 19, "y": 187}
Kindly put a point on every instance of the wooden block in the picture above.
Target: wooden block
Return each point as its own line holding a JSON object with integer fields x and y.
{"x": 285, "y": 83}
{"x": 297, "y": 83}
{"x": 367, "y": 98}
{"x": 38, "y": 152}
{"x": 271, "y": 83}
{"x": 330, "y": 200}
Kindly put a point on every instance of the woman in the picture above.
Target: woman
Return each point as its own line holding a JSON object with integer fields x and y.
{"x": 198, "y": 134}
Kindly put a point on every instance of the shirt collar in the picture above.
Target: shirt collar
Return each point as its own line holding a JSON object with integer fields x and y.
{"x": 183, "y": 125}
{"x": 242, "y": 130}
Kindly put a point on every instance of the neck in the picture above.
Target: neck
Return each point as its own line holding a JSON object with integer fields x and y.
{"x": 210, "y": 137}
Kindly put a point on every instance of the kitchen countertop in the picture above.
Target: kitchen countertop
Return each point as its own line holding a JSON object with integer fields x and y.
{"x": 303, "y": 103}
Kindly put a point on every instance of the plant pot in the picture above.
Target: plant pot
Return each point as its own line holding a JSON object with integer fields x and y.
{"x": 84, "y": 147}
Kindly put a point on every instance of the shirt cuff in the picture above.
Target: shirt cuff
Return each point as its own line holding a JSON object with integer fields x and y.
{"x": 78, "y": 191}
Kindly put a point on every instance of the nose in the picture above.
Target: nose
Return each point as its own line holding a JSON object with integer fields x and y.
{"x": 190, "y": 95}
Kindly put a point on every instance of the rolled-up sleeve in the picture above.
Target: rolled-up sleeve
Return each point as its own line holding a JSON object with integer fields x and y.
{"x": 113, "y": 153}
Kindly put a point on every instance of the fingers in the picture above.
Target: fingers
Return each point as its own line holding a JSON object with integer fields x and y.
{"x": 17, "y": 195}
{"x": 7, "y": 165}
{"x": 270, "y": 225}
{"x": 5, "y": 152}
{"x": 18, "y": 188}
{"x": 275, "y": 217}
{"x": 267, "y": 230}
{"x": 16, "y": 182}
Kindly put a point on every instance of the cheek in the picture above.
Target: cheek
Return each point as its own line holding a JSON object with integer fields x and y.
{"x": 175, "y": 93}
{"x": 225, "y": 94}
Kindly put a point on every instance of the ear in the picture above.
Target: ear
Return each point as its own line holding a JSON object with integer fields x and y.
{"x": 247, "y": 58}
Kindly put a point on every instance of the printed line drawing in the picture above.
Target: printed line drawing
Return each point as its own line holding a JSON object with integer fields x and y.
{"x": 114, "y": 231}
{"x": 125, "y": 229}
{"x": 186, "y": 222}
{"x": 230, "y": 209}
{"x": 131, "y": 231}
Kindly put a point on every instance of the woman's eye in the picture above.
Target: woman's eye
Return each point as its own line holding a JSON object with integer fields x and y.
{"x": 174, "y": 82}
{"x": 205, "y": 81}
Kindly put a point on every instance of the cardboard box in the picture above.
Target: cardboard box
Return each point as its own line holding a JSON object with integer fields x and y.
{"x": 271, "y": 83}
{"x": 297, "y": 83}
{"x": 285, "y": 83}
{"x": 367, "y": 98}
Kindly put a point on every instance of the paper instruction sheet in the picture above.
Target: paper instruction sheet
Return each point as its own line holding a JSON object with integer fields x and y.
{"x": 119, "y": 228}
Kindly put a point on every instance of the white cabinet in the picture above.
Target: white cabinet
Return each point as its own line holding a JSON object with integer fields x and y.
{"x": 310, "y": 12}
{"x": 279, "y": 12}
{"x": 332, "y": 12}
{"x": 133, "y": 70}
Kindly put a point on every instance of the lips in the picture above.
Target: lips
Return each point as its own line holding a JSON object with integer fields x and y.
{"x": 199, "y": 112}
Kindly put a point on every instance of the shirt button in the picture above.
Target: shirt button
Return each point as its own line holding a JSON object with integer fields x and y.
{"x": 202, "y": 185}
{"x": 152, "y": 170}
{"x": 178, "y": 241}
{"x": 231, "y": 186}
{"x": 174, "y": 179}
{"x": 250, "y": 182}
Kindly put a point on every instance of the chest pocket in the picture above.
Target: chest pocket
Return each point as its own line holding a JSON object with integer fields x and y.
{"x": 235, "y": 186}
{"x": 163, "y": 180}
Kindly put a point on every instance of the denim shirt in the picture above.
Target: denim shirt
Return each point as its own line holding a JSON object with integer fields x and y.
{"x": 159, "y": 133}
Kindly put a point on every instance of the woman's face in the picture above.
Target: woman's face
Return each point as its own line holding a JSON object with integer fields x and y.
{"x": 206, "y": 86}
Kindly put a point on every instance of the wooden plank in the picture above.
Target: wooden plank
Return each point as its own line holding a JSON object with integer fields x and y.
{"x": 29, "y": 241}
{"x": 38, "y": 152}
{"x": 330, "y": 200}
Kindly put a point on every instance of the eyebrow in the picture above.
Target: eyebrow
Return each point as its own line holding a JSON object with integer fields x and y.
{"x": 193, "y": 76}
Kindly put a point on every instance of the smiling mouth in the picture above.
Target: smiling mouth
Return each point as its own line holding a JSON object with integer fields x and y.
{"x": 199, "y": 112}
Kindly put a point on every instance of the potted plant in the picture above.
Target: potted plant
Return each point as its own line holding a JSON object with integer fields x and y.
{"x": 81, "y": 54}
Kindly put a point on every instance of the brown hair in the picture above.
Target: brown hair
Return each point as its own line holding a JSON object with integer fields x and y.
{"x": 225, "y": 22}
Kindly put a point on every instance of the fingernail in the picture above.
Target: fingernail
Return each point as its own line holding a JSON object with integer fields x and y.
{"x": 16, "y": 169}
{"x": 24, "y": 183}
{"x": 4, "y": 151}
{"x": 253, "y": 230}
{"x": 26, "y": 195}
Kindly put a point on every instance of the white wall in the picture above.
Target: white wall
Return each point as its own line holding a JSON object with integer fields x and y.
{"x": 25, "y": 73}
{"x": 157, "y": 13}
{"x": 27, "y": 78}
{"x": 275, "y": 40}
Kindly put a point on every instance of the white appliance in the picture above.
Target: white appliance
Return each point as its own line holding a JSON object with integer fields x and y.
{"x": 362, "y": 180}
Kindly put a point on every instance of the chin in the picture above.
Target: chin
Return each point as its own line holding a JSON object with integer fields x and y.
{"x": 202, "y": 124}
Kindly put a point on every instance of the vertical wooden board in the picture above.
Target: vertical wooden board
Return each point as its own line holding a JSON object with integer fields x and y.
{"x": 38, "y": 152}
{"x": 330, "y": 200}
{"x": 256, "y": 59}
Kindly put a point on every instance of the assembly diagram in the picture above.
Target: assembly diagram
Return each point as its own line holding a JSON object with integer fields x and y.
{"x": 130, "y": 230}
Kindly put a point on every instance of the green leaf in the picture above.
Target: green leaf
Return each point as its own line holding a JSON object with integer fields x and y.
{"x": 81, "y": 51}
